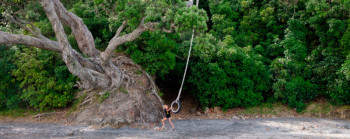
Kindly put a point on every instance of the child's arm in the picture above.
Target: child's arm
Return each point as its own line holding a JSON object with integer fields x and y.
{"x": 169, "y": 109}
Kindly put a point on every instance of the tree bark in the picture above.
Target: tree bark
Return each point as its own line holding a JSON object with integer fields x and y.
{"x": 9, "y": 39}
{"x": 116, "y": 41}
{"x": 88, "y": 77}
{"x": 82, "y": 34}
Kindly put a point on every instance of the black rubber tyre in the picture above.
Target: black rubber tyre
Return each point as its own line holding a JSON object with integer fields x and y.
{"x": 178, "y": 109}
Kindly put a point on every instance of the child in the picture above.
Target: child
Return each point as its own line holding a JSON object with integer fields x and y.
{"x": 167, "y": 115}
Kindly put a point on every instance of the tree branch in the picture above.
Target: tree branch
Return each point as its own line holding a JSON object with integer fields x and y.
{"x": 105, "y": 55}
{"x": 180, "y": 57}
{"x": 9, "y": 39}
{"x": 49, "y": 44}
{"x": 32, "y": 25}
{"x": 169, "y": 30}
{"x": 21, "y": 23}
{"x": 116, "y": 40}
{"x": 68, "y": 55}
{"x": 120, "y": 29}
{"x": 46, "y": 44}
{"x": 86, "y": 63}
{"x": 82, "y": 34}
{"x": 88, "y": 78}
{"x": 57, "y": 26}
{"x": 20, "y": 10}
{"x": 104, "y": 9}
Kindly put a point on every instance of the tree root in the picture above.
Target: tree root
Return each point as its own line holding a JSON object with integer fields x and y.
{"x": 131, "y": 78}
{"x": 124, "y": 60}
{"x": 124, "y": 76}
{"x": 86, "y": 101}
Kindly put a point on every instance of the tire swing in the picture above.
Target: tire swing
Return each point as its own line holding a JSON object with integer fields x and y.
{"x": 177, "y": 100}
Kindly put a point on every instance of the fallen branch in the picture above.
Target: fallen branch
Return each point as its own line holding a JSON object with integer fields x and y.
{"x": 45, "y": 114}
{"x": 86, "y": 101}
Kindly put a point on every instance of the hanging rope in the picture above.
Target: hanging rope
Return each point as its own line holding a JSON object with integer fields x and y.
{"x": 177, "y": 100}
{"x": 188, "y": 59}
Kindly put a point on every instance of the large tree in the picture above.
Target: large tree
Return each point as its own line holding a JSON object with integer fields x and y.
{"x": 104, "y": 70}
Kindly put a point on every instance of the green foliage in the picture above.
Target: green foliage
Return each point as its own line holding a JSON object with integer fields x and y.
{"x": 123, "y": 90}
{"x": 345, "y": 40}
{"x": 17, "y": 112}
{"x": 295, "y": 92}
{"x": 104, "y": 17}
{"x": 161, "y": 94}
{"x": 188, "y": 18}
{"x": 8, "y": 85}
{"x": 154, "y": 51}
{"x": 104, "y": 96}
{"x": 35, "y": 77}
{"x": 290, "y": 73}
{"x": 341, "y": 91}
{"x": 302, "y": 42}
{"x": 345, "y": 43}
{"x": 325, "y": 65}
{"x": 294, "y": 42}
{"x": 226, "y": 75}
{"x": 45, "y": 81}
{"x": 345, "y": 69}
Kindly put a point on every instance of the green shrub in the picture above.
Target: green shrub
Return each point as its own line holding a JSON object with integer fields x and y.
{"x": 9, "y": 87}
{"x": 295, "y": 92}
{"x": 154, "y": 51}
{"x": 292, "y": 84}
{"x": 45, "y": 81}
{"x": 226, "y": 75}
{"x": 341, "y": 93}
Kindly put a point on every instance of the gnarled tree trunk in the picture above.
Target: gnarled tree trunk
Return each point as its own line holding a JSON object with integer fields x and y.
{"x": 132, "y": 97}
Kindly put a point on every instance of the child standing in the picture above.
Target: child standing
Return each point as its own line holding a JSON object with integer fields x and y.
{"x": 167, "y": 115}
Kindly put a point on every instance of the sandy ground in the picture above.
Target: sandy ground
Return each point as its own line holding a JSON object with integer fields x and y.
{"x": 191, "y": 122}
{"x": 235, "y": 128}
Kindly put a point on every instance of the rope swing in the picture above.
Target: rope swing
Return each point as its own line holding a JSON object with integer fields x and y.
{"x": 177, "y": 100}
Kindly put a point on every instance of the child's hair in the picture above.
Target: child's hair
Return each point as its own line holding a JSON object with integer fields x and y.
{"x": 165, "y": 106}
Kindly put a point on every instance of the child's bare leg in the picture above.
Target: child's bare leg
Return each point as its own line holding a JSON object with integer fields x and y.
{"x": 171, "y": 122}
{"x": 163, "y": 121}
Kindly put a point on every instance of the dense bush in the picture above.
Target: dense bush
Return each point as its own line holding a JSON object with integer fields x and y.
{"x": 45, "y": 81}
{"x": 9, "y": 97}
{"x": 302, "y": 42}
{"x": 34, "y": 77}
{"x": 154, "y": 51}
{"x": 345, "y": 43}
{"x": 295, "y": 91}
{"x": 291, "y": 74}
{"x": 226, "y": 75}
{"x": 340, "y": 92}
